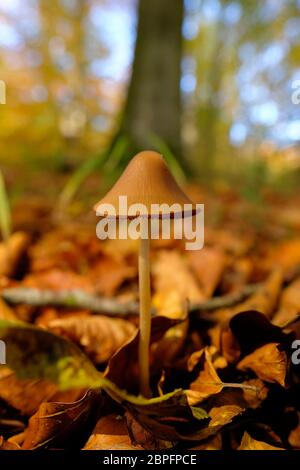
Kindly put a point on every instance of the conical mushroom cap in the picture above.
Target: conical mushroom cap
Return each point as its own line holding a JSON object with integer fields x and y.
{"x": 146, "y": 180}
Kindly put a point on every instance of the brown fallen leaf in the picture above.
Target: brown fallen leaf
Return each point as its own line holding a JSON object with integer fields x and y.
{"x": 7, "y": 445}
{"x": 208, "y": 265}
{"x": 174, "y": 283}
{"x": 110, "y": 433}
{"x": 254, "y": 398}
{"x": 248, "y": 443}
{"x": 109, "y": 274}
{"x": 123, "y": 369}
{"x": 62, "y": 425}
{"x": 222, "y": 415}
{"x": 24, "y": 395}
{"x": 264, "y": 300}
{"x": 267, "y": 362}
{"x": 143, "y": 438}
{"x": 11, "y": 253}
{"x": 99, "y": 336}
{"x": 207, "y": 382}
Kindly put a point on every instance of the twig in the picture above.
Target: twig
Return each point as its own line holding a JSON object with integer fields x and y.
{"x": 225, "y": 301}
{"x": 79, "y": 299}
{"x": 68, "y": 298}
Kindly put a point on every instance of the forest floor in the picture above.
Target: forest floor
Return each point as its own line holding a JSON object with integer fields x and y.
{"x": 224, "y": 368}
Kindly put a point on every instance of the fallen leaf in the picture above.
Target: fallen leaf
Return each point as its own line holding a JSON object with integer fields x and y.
{"x": 123, "y": 369}
{"x": 6, "y": 445}
{"x": 145, "y": 439}
{"x": 267, "y": 362}
{"x": 248, "y": 443}
{"x": 99, "y": 336}
{"x": 62, "y": 425}
{"x": 222, "y": 415}
{"x": 264, "y": 300}
{"x": 207, "y": 382}
{"x": 208, "y": 265}
{"x": 173, "y": 284}
{"x": 25, "y": 395}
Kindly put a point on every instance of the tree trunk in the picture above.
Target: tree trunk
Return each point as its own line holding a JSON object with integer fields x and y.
{"x": 153, "y": 105}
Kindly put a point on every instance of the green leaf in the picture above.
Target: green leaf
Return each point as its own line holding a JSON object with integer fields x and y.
{"x": 36, "y": 353}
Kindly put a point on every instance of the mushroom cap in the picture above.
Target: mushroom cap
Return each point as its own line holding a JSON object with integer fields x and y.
{"x": 146, "y": 180}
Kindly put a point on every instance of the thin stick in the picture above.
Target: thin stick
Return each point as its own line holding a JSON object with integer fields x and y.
{"x": 145, "y": 315}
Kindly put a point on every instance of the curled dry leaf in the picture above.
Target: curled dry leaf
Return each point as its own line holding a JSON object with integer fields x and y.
{"x": 174, "y": 283}
{"x": 62, "y": 425}
{"x": 110, "y": 433}
{"x": 99, "y": 336}
{"x": 123, "y": 366}
{"x": 248, "y": 443}
{"x": 268, "y": 362}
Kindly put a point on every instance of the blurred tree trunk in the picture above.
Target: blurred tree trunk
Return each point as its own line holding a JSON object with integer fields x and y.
{"x": 153, "y": 105}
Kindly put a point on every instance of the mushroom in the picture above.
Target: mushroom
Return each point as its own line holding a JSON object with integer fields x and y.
{"x": 146, "y": 182}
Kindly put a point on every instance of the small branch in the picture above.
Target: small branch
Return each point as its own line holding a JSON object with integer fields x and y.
{"x": 68, "y": 298}
{"x": 225, "y": 301}
{"x": 79, "y": 299}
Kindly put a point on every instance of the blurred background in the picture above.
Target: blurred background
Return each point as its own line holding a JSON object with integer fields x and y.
{"x": 208, "y": 83}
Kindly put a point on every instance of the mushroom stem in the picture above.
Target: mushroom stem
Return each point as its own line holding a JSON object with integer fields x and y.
{"x": 145, "y": 315}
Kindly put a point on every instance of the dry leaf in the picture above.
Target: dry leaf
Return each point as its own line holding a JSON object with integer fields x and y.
{"x": 208, "y": 265}
{"x": 257, "y": 395}
{"x": 62, "y": 425}
{"x": 264, "y": 300}
{"x": 173, "y": 284}
{"x": 99, "y": 336}
{"x": 208, "y": 382}
{"x": 110, "y": 433}
{"x": 25, "y": 395}
{"x": 267, "y": 362}
{"x": 248, "y": 443}
{"x": 222, "y": 415}
{"x": 140, "y": 436}
{"x": 7, "y": 445}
